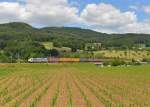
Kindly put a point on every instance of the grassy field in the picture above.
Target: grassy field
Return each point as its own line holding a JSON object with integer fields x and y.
{"x": 124, "y": 54}
{"x": 73, "y": 85}
{"x": 48, "y": 45}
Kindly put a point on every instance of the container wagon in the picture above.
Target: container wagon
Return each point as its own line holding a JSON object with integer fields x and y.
{"x": 53, "y": 60}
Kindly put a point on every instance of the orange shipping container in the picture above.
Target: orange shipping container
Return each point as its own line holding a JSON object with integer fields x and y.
{"x": 69, "y": 59}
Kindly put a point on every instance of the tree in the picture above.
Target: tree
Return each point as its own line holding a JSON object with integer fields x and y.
{"x": 4, "y": 58}
{"x": 54, "y": 53}
{"x": 74, "y": 49}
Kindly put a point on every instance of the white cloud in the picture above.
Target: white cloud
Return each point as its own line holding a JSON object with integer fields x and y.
{"x": 43, "y": 12}
{"x": 109, "y": 19}
{"x": 138, "y": 27}
{"x": 12, "y": 12}
{"x": 106, "y": 15}
{"x": 146, "y": 9}
{"x": 50, "y": 12}
{"x": 139, "y": 7}
{"x": 134, "y": 7}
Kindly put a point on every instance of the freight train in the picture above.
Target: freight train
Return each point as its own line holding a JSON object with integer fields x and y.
{"x": 63, "y": 60}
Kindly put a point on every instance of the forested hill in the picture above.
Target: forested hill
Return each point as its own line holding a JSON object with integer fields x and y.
{"x": 108, "y": 40}
{"x": 26, "y": 40}
{"x": 65, "y": 36}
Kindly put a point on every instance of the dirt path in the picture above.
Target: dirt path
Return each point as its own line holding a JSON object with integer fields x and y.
{"x": 17, "y": 95}
{"x": 47, "y": 98}
{"x": 100, "y": 92}
{"x": 7, "y": 83}
{"x": 27, "y": 102}
{"x": 77, "y": 98}
{"x": 1, "y": 78}
{"x": 4, "y": 80}
{"x": 4, "y": 89}
{"x": 115, "y": 96}
{"x": 63, "y": 98}
{"x": 91, "y": 97}
{"x": 7, "y": 90}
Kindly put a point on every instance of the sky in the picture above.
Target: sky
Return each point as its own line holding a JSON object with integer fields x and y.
{"x": 107, "y": 16}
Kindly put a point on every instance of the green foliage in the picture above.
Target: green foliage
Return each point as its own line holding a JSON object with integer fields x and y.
{"x": 145, "y": 60}
{"x": 22, "y": 41}
{"x": 117, "y": 62}
{"x": 4, "y": 58}
{"x": 54, "y": 53}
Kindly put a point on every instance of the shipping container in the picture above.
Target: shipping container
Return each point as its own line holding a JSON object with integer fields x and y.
{"x": 89, "y": 60}
{"x": 83, "y": 59}
{"x": 53, "y": 60}
{"x": 94, "y": 60}
{"x": 69, "y": 59}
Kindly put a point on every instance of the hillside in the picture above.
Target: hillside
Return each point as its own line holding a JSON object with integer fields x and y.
{"x": 64, "y": 35}
{"x": 108, "y": 40}
{"x": 20, "y": 40}
{"x": 20, "y": 27}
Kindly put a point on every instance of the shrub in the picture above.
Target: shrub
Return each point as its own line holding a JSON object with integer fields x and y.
{"x": 117, "y": 62}
{"x": 4, "y": 58}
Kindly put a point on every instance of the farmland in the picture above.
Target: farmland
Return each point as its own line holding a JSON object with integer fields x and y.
{"x": 124, "y": 54}
{"x": 74, "y": 85}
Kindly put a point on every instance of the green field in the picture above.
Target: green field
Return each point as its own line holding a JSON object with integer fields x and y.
{"x": 48, "y": 45}
{"x": 74, "y": 85}
{"x": 123, "y": 54}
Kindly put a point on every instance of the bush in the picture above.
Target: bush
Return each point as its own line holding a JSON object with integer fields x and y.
{"x": 4, "y": 59}
{"x": 106, "y": 63}
{"x": 145, "y": 60}
{"x": 54, "y": 53}
{"x": 117, "y": 62}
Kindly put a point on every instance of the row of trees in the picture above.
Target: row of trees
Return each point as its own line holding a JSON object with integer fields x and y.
{"x": 14, "y": 51}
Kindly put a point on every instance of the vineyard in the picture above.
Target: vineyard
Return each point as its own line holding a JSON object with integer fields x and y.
{"x": 73, "y": 85}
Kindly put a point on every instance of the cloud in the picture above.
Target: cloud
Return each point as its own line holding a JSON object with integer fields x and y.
{"x": 106, "y": 15}
{"x": 50, "y": 12}
{"x": 134, "y": 7}
{"x": 140, "y": 7}
{"x": 12, "y": 12}
{"x": 42, "y": 12}
{"x": 138, "y": 27}
{"x": 146, "y": 9}
{"x": 107, "y": 18}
